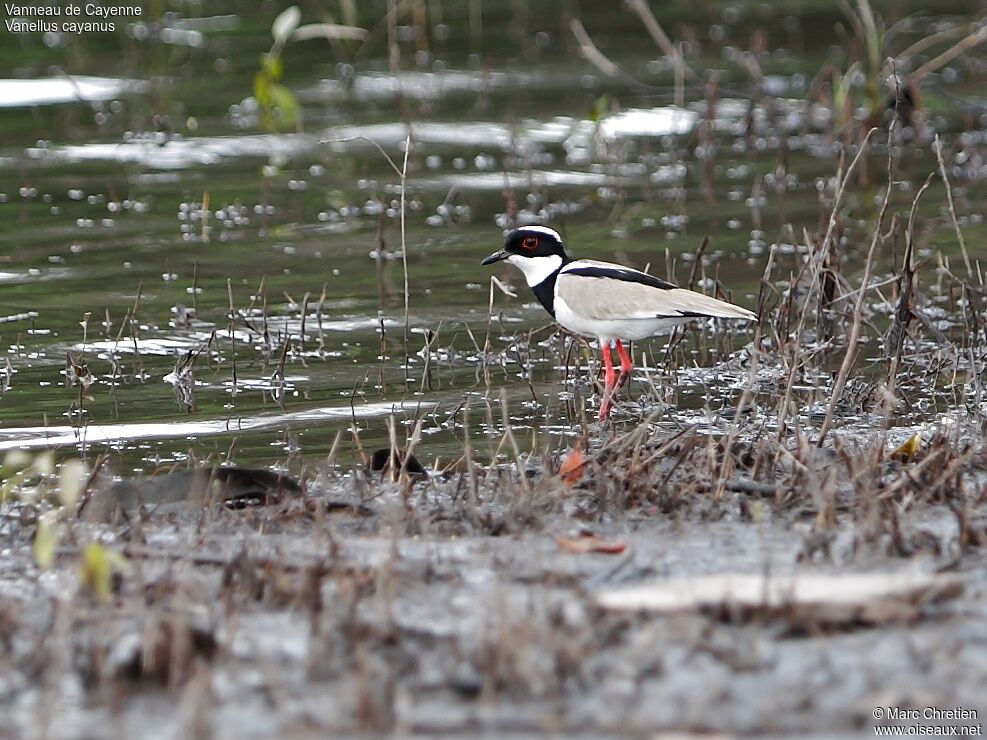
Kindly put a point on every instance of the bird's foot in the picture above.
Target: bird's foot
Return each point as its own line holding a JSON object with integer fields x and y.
{"x": 626, "y": 366}
{"x": 608, "y": 403}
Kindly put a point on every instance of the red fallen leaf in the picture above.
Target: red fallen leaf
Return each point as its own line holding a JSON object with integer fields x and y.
{"x": 573, "y": 466}
{"x": 589, "y": 542}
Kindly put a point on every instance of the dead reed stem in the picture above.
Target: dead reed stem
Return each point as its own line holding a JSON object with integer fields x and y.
{"x": 975, "y": 38}
{"x": 952, "y": 208}
{"x": 858, "y": 308}
{"x": 673, "y": 52}
{"x": 906, "y": 281}
{"x": 815, "y": 261}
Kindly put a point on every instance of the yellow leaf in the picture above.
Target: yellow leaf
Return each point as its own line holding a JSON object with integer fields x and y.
{"x": 98, "y": 566}
{"x": 16, "y": 460}
{"x": 46, "y": 541}
{"x": 757, "y": 511}
{"x": 907, "y": 452}
{"x": 71, "y": 477}
{"x": 44, "y": 463}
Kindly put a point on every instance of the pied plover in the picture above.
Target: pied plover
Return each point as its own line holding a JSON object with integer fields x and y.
{"x": 610, "y": 303}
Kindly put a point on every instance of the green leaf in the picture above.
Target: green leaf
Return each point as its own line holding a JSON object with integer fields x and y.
{"x": 262, "y": 85}
{"x": 600, "y": 108}
{"x": 273, "y": 66}
{"x": 284, "y": 106}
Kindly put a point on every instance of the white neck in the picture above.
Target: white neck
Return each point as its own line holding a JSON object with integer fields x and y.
{"x": 536, "y": 269}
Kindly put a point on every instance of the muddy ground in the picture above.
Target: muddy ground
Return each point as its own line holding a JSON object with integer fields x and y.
{"x": 441, "y": 607}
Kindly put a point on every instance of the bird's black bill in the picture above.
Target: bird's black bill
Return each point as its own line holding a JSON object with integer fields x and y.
{"x": 500, "y": 256}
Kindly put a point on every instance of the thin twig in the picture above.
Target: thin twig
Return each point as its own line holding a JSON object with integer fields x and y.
{"x": 858, "y": 309}
{"x": 952, "y": 208}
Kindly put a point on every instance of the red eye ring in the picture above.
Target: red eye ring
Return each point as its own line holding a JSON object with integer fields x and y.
{"x": 530, "y": 242}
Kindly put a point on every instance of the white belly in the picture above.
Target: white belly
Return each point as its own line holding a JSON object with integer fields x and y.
{"x": 608, "y": 330}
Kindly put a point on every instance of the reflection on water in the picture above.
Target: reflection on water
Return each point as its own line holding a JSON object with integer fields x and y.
{"x": 384, "y": 86}
{"x": 67, "y": 89}
{"x": 175, "y": 152}
{"x": 166, "y": 153}
{"x": 247, "y": 289}
{"x": 95, "y": 434}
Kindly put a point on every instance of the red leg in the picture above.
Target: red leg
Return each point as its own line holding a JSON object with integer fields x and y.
{"x": 609, "y": 382}
{"x": 626, "y": 365}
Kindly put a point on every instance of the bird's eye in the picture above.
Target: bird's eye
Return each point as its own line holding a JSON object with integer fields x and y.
{"x": 530, "y": 242}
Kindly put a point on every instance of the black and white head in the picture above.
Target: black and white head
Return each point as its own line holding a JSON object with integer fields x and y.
{"x": 535, "y": 250}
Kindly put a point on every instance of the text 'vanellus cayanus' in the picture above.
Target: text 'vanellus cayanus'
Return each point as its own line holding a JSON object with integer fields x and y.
{"x": 601, "y": 300}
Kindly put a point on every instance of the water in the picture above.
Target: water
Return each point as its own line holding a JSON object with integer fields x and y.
{"x": 133, "y": 221}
